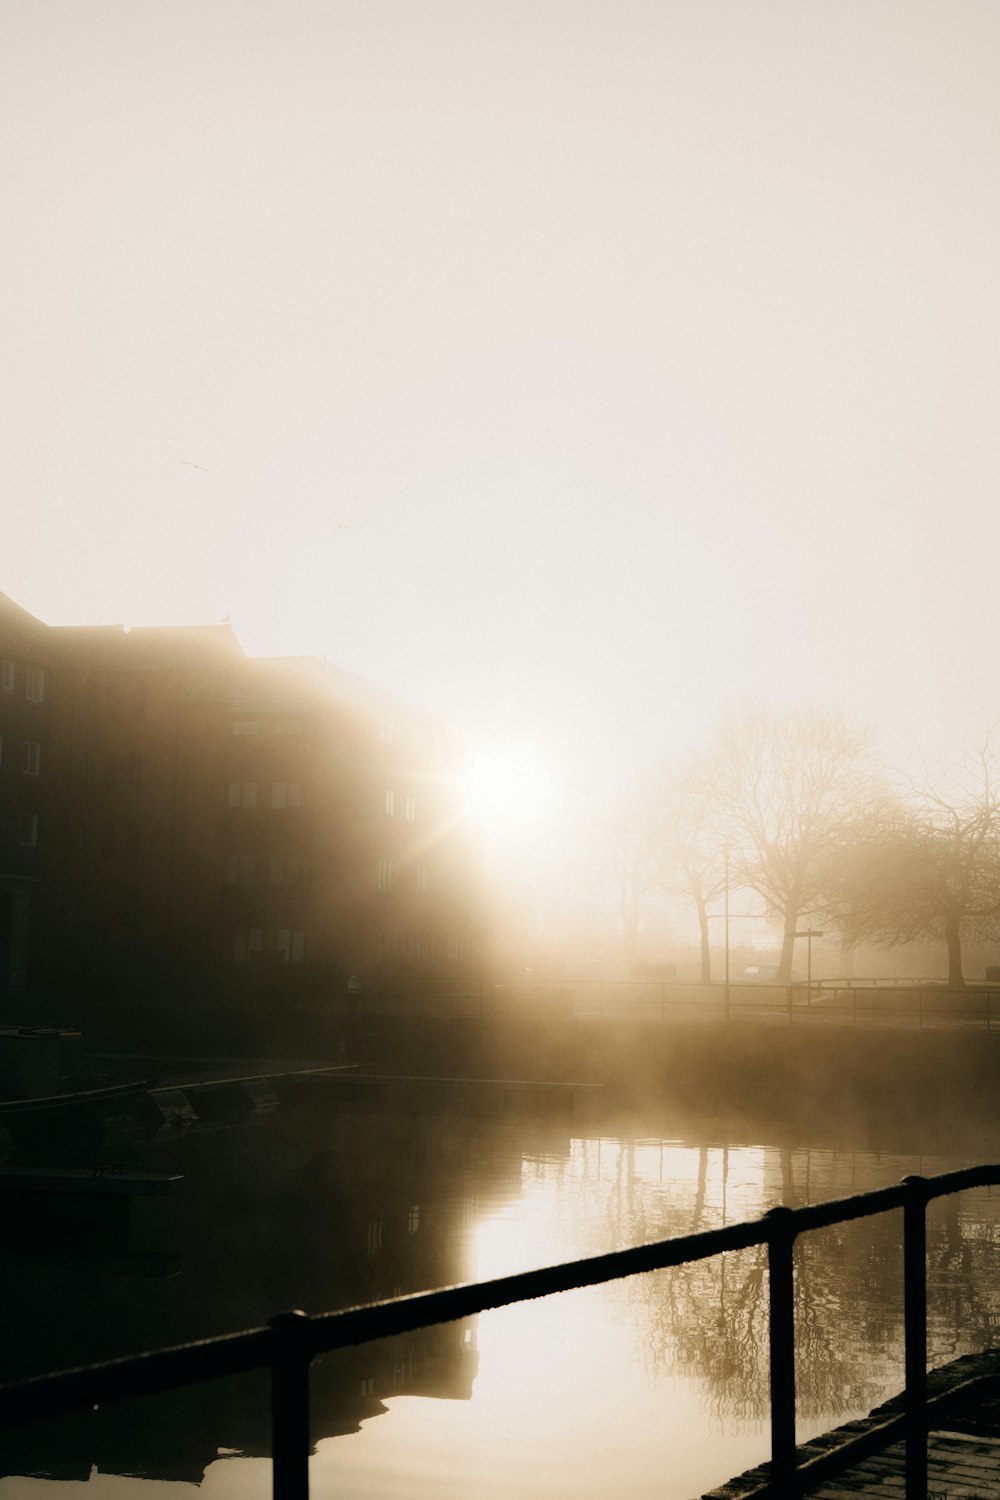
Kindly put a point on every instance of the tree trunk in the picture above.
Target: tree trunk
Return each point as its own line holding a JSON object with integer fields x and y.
{"x": 952, "y": 936}
{"x": 706, "y": 952}
{"x": 784, "y": 975}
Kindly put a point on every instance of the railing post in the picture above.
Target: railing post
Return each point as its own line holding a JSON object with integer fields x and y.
{"x": 290, "y": 1406}
{"x": 915, "y": 1323}
{"x": 781, "y": 1290}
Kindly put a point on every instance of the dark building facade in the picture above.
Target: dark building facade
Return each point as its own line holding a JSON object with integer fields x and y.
{"x": 177, "y": 819}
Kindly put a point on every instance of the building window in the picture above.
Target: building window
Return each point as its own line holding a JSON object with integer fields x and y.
{"x": 413, "y": 1219}
{"x": 242, "y": 794}
{"x": 453, "y": 948}
{"x": 286, "y": 794}
{"x": 385, "y": 874}
{"x": 421, "y": 877}
{"x": 411, "y": 809}
{"x": 32, "y": 757}
{"x": 386, "y": 731}
{"x": 290, "y": 944}
{"x": 390, "y": 803}
{"x": 28, "y": 830}
{"x": 244, "y": 726}
{"x": 285, "y": 869}
{"x": 8, "y": 676}
{"x": 288, "y": 726}
{"x": 35, "y": 685}
{"x": 240, "y": 869}
{"x": 246, "y": 942}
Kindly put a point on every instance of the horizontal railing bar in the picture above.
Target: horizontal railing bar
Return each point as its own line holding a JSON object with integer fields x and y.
{"x": 360, "y": 1325}
{"x": 43, "y": 1396}
{"x": 52, "y": 1395}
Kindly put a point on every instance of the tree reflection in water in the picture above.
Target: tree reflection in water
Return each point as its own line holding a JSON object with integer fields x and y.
{"x": 404, "y": 1200}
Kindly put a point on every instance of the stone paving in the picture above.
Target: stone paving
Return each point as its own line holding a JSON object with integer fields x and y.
{"x": 963, "y": 1451}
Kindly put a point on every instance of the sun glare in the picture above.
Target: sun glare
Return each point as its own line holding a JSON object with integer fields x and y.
{"x": 505, "y": 787}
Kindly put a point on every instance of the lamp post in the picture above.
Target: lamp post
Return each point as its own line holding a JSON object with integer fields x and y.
{"x": 809, "y": 934}
{"x": 726, "y": 852}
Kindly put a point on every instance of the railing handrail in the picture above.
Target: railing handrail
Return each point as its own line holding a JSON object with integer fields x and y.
{"x": 291, "y": 1340}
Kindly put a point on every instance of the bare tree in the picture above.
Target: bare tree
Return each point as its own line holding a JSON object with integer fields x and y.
{"x": 690, "y": 838}
{"x": 622, "y": 859}
{"x": 928, "y": 867}
{"x": 788, "y": 785}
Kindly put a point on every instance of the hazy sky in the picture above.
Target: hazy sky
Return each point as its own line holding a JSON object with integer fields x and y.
{"x": 648, "y": 354}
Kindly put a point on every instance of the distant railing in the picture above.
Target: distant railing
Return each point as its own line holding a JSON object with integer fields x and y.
{"x": 664, "y": 1001}
{"x": 292, "y": 1339}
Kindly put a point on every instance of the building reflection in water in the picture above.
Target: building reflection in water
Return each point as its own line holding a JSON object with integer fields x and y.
{"x": 323, "y": 1208}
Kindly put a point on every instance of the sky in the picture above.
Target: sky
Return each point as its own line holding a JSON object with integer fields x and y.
{"x": 574, "y": 369}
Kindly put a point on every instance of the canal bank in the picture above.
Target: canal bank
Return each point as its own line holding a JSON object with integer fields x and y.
{"x": 907, "y": 1080}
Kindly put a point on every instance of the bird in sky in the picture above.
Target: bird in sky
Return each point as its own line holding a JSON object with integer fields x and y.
{"x": 192, "y": 465}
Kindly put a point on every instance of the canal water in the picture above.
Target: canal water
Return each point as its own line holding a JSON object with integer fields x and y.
{"x": 656, "y": 1386}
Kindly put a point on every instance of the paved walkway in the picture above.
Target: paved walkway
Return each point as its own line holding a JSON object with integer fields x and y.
{"x": 963, "y": 1451}
{"x": 960, "y": 1466}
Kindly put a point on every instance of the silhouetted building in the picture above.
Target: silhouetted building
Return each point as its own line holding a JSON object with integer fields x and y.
{"x": 178, "y": 818}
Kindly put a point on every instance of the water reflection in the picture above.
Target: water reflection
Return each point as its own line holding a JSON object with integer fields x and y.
{"x": 661, "y": 1379}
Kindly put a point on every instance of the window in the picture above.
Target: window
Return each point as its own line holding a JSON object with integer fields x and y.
{"x": 290, "y": 944}
{"x": 35, "y": 685}
{"x": 8, "y": 676}
{"x": 288, "y": 726}
{"x": 279, "y": 793}
{"x": 386, "y": 731}
{"x": 244, "y": 726}
{"x": 246, "y": 942}
{"x": 453, "y": 948}
{"x": 385, "y": 874}
{"x": 413, "y": 1219}
{"x": 242, "y": 794}
{"x": 411, "y": 809}
{"x": 390, "y": 803}
{"x": 284, "y": 869}
{"x": 286, "y": 794}
{"x": 28, "y": 830}
{"x": 421, "y": 877}
{"x": 32, "y": 757}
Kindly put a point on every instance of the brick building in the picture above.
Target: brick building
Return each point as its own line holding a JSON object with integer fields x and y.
{"x": 179, "y": 820}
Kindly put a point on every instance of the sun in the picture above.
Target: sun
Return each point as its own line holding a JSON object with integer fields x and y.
{"x": 505, "y": 788}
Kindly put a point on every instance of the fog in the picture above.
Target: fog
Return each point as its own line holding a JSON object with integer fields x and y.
{"x": 574, "y": 370}
{"x": 590, "y": 409}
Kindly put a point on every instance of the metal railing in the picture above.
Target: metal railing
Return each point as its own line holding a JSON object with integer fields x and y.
{"x": 292, "y": 1339}
{"x": 667, "y": 1001}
